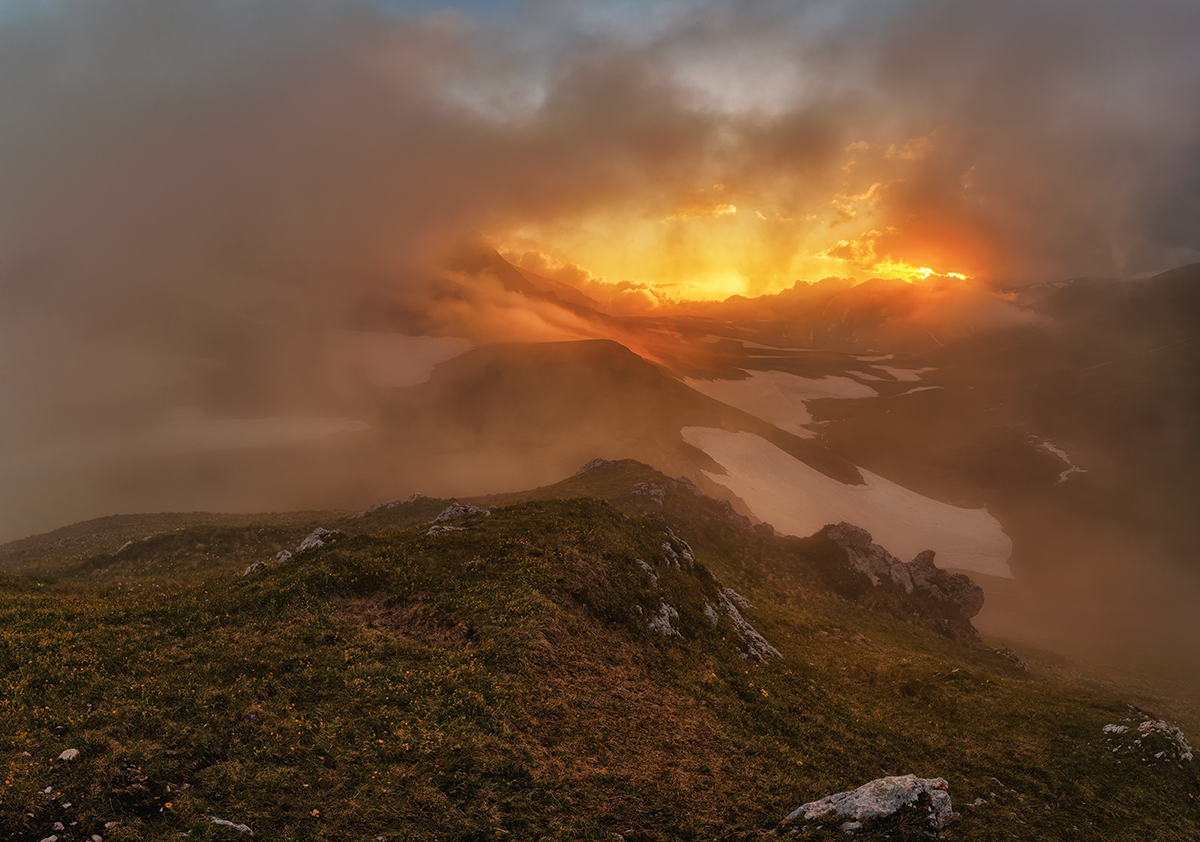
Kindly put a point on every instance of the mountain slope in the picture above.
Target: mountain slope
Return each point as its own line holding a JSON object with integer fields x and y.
{"x": 549, "y": 669}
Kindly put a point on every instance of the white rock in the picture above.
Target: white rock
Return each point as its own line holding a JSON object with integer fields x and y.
{"x": 672, "y": 556}
{"x": 737, "y": 599}
{"x": 313, "y": 541}
{"x": 457, "y": 510}
{"x": 69, "y": 754}
{"x": 661, "y": 622}
{"x": 240, "y": 828}
{"x": 758, "y": 645}
{"x": 649, "y": 572}
{"x": 881, "y": 798}
{"x": 1167, "y": 743}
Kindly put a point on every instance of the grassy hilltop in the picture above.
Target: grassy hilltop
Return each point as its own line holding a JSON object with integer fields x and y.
{"x": 501, "y": 679}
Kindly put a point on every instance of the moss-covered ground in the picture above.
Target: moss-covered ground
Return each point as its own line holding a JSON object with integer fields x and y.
{"x": 500, "y": 681}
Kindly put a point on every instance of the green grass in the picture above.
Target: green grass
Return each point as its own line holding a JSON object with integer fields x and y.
{"x": 500, "y": 682}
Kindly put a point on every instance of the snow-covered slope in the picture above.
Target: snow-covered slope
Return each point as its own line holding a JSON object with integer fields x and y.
{"x": 799, "y": 500}
{"x": 779, "y": 397}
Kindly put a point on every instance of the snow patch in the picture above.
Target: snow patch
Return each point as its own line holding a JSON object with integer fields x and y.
{"x": 780, "y": 398}
{"x": 798, "y": 500}
{"x": 1072, "y": 468}
{"x": 918, "y": 389}
{"x": 904, "y": 375}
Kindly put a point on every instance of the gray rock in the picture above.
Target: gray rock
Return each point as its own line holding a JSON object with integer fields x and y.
{"x": 690, "y": 486}
{"x": 1012, "y": 657}
{"x": 711, "y": 615}
{"x": 657, "y": 493}
{"x": 457, "y": 510}
{"x": 69, "y": 754}
{"x": 685, "y": 549}
{"x": 660, "y": 623}
{"x": 314, "y": 540}
{"x": 881, "y": 798}
{"x": 649, "y": 572}
{"x": 737, "y": 599}
{"x": 1151, "y": 741}
{"x": 671, "y": 555}
{"x": 240, "y": 828}
{"x": 282, "y": 556}
{"x": 920, "y": 575}
{"x": 759, "y": 648}
{"x": 590, "y": 466}
{"x": 733, "y": 516}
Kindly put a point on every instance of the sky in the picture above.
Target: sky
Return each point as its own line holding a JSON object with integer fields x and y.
{"x": 174, "y": 174}
{"x": 698, "y": 148}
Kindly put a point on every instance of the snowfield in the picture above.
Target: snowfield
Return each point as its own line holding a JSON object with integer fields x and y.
{"x": 779, "y": 398}
{"x": 904, "y": 375}
{"x": 798, "y": 500}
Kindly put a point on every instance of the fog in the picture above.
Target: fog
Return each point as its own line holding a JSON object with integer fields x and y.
{"x": 232, "y": 232}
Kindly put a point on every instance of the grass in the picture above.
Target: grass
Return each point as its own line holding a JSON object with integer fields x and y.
{"x": 500, "y": 682}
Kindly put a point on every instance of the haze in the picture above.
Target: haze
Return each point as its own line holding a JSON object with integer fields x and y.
{"x": 288, "y": 254}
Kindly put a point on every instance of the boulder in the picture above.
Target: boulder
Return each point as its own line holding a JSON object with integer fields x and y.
{"x": 314, "y": 540}
{"x": 882, "y": 798}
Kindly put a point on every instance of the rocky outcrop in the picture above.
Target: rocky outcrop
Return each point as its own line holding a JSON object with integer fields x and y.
{"x": 1150, "y": 741}
{"x": 1012, "y": 657}
{"x": 920, "y": 576}
{"x": 656, "y": 492}
{"x": 316, "y": 539}
{"x": 390, "y": 504}
{"x": 661, "y": 623}
{"x": 590, "y": 466}
{"x": 881, "y": 798}
{"x": 758, "y": 647}
{"x": 457, "y": 510}
{"x": 677, "y": 555}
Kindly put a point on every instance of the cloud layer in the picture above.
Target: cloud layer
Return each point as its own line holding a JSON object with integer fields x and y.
{"x": 195, "y": 197}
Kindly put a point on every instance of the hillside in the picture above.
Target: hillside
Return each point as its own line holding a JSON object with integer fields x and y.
{"x": 543, "y": 668}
